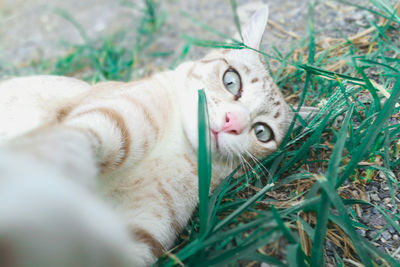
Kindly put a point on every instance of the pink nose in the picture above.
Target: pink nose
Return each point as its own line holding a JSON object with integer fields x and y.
{"x": 231, "y": 125}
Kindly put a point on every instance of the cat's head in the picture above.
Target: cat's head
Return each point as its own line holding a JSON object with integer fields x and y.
{"x": 247, "y": 111}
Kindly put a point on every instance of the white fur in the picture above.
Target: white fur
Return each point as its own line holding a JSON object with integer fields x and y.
{"x": 254, "y": 29}
{"x": 28, "y": 102}
{"x": 53, "y": 221}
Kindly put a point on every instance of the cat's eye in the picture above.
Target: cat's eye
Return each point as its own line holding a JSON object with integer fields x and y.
{"x": 233, "y": 83}
{"x": 263, "y": 132}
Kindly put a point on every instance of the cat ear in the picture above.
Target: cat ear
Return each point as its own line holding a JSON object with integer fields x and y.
{"x": 255, "y": 27}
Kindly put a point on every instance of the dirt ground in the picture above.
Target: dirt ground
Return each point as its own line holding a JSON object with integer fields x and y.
{"x": 32, "y": 30}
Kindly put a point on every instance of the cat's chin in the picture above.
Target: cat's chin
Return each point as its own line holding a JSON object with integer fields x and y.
{"x": 219, "y": 146}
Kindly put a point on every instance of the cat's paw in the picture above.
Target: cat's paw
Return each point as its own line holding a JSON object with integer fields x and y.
{"x": 51, "y": 221}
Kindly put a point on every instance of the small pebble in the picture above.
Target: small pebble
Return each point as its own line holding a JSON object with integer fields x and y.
{"x": 377, "y": 220}
{"x": 391, "y": 229}
{"x": 386, "y": 235}
{"x": 371, "y": 234}
{"x": 393, "y": 121}
{"x": 384, "y": 194}
{"x": 382, "y": 249}
{"x": 375, "y": 184}
{"x": 395, "y": 237}
{"x": 375, "y": 197}
{"x": 388, "y": 244}
{"x": 362, "y": 232}
{"x": 365, "y": 218}
{"x": 329, "y": 245}
{"x": 329, "y": 249}
{"x": 339, "y": 119}
{"x": 387, "y": 200}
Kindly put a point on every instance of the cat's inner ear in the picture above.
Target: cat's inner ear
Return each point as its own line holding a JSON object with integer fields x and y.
{"x": 254, "y": 29}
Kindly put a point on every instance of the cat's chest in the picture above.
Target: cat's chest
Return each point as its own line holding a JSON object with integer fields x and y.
{"x": 172, "y": 162}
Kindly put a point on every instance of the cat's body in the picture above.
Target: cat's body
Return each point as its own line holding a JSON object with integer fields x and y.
{"x": 130, "y": 151}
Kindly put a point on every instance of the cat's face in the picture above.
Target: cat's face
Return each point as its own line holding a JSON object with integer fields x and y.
{"x": 247, "y": 112}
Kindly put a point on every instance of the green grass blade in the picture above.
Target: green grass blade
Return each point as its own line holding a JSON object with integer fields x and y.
{"x": 329, "y": 74}
{"x": 339, "y": 260}
{"x": 375, "y": 129}
{"x": 294, "y": 256}
{"x": 212, "y": 43}
{"x": 311, "y": 32}
{"x": 302, "y": 152}
{"x": 339, "y": 220}
{"x": 204, "y": 161}
{"x": 281, "y": 224}
{"x": 336, "y": 157}
{"x": 350, "y": 3}
{"x": 243, "y": 207}
{"x": 264, "y": 258}
{"x": 239, "y": 252}
{"x": 348, "y": 227}
{"x": 92, "y": 55}
{"x": 306, "y": 227}
{"x": 181, "y": 57}
{"x": 236, "y": 18}
{"x": 318, "y": 244}
{"x": 369, "y": 86}
{"x": 388, "y": 219}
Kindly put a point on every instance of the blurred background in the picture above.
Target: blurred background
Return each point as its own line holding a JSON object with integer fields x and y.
{"x": 35, "y": 31}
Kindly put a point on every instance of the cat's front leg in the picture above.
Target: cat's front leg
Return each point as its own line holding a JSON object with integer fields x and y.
{"x": 61, "y": 150}
{"x": 48, "y": 219}
{"x": 51, "y": 213}
{"x": 156, "y": 209}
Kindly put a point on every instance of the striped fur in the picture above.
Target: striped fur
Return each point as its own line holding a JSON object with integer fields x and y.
{"x": 127, "y": 151}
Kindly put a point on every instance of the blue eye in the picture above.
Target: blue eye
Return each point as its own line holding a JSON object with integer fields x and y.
{"x": 263, "y": 132}
{"x": 232, "y": 82}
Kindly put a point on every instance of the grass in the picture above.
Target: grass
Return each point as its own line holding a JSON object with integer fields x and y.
{"x": 245, "y": 226}
{"x": 287, "y": 216}
{"x": 119, "y": 56}
{"x": 106, "y": 58}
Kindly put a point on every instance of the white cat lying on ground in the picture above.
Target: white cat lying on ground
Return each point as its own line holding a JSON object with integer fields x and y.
{"x": 106, "y": 174}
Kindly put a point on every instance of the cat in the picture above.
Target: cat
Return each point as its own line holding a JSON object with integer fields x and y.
{"x": 106, "y": 174}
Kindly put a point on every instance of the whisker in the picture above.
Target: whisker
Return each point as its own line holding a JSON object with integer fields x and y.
{"x": 234, "y": 154}
{"x": 237, "y": 152}
{"x": 245, "y": 167}
{"x": 264, "y": 170}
